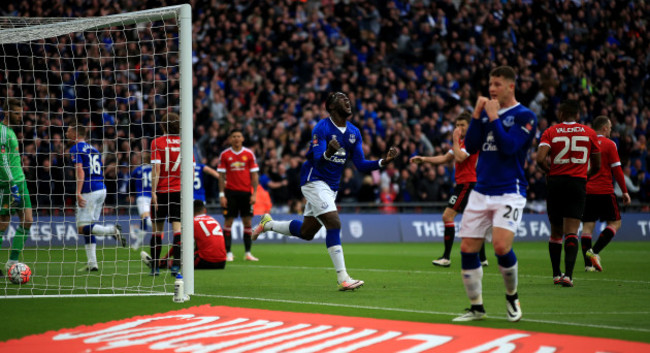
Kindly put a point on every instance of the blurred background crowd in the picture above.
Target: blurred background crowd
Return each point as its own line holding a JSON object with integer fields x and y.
{"x": 266, "y": 66}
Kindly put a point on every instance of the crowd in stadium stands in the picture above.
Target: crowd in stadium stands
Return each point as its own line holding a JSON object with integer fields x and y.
{"x": 409, "y": 67}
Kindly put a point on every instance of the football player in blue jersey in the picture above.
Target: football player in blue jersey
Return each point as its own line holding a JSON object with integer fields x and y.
{"x": 199, "y": 183}
{"x": 502, "y": 131}
{"x": 334, "y": 141}
{"x": 90, "y": 194}
{"x": 141, "y": 186}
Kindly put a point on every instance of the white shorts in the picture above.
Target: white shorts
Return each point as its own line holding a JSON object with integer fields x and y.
{"x": 144, "y": 204}
{"x": 320, "y": 198}
{"x": 484, "y": 212}
{"x": 93, "y": 209}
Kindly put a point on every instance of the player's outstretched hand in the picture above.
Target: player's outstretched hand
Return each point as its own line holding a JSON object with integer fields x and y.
{"x": 332, "y": 147}
{"x": 417, "y": 159}
{"x": 392, "y": 153}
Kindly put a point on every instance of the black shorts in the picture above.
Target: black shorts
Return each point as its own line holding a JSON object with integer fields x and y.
{"x": 601, "y": 207}
{"x": 458, "y": 201}
{"x": 566, "y": 198}
{"x": 169, "y": 207}
{"x": 239, "y": 204}
{"x": 201, "y": 264}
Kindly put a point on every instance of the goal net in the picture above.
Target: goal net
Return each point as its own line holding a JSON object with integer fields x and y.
{"x": 116, "y": 77}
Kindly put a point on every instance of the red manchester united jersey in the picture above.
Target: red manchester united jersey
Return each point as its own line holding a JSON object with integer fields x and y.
{"x": 602, "y": 182}
{"x": 238, "y": 166}
{"x": 209, "y": 239}
{"x": 571, "y": 146}
{"x": 466, "y": 170}
{"x": 166, "y": 151}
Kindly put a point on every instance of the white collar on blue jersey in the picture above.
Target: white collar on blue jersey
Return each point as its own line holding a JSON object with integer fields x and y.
{"x": 502, "y": 111}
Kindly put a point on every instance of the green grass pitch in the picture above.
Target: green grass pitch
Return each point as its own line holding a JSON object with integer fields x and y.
{"x": 401, "y": 284}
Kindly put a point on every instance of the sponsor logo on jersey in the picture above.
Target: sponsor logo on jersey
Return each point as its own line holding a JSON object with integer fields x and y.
{"x": 490, "y": 144}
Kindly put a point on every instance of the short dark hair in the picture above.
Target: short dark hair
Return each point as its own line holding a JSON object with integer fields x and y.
{"x": 465, "y": 115}
{"x": 506, "y": 72}
{"x": 171, "y": 123}
{"x": 331, "y": 97}
{"x": 599, "y": 122}
{"x": 11, "y": 102}
{"x": 569, "y": 108}
{"x": 79, "y": 129}
{"x": 199, "y": 206}
{"x": 234, "y": 130}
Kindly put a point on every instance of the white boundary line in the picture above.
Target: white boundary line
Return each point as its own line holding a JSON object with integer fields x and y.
{"x": 415, "y": 311}
{"x": 433, "y": 271}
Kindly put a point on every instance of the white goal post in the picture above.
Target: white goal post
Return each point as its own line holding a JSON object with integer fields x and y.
{"x": 116, "y": 75}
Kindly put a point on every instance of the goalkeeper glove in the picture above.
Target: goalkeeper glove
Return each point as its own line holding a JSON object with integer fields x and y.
{"x": 15, "y": 195}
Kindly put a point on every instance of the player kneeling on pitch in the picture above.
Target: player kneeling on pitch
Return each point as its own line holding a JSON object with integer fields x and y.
{"x": 210, "y": 252}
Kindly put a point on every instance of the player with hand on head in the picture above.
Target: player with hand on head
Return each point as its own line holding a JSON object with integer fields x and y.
{"x": 574, "y": 155}
{"x": 90, "y": 194}
{"x": 210, "y": 252}
{"x": 502, "y": 130}
{"x": 238, "y": 180}
{"x": 13, "y": 187}
{"x": 465, "y": 165}
{"x": 601, "y": 201}
{"x": 334, "y": 141}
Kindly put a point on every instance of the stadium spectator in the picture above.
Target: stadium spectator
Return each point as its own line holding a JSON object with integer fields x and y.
{"x": 334, "y": 141}
{"x": 502, "y": 130}
{"x": 569, "y": 153}
{"x": 601, "y": 203}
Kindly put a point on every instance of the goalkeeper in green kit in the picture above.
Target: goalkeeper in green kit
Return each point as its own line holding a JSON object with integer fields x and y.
{"x": 14, "y": 196}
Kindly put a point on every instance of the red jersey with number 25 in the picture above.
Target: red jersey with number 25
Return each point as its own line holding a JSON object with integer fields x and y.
{"x": 166, "y": 151}
{"x": 238, "y": 166}
{"x": 571, "y": 146}
{"x": 209, "y": 239}
{"x": 466, "y": 170}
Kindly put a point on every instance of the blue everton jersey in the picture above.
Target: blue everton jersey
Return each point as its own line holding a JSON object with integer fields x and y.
{"x": 502, "y": 145}
{"x": 91, "y": 161}
{"x": 319, "y": 167}
{"x": 199, "y": 189}
{"x": 141, "y": 177}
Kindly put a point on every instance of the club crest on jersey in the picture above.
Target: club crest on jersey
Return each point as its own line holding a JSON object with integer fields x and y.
{"x": 509, "y": 120}
{"x": 352, "y": 138}
{"x": 315, "y": 140}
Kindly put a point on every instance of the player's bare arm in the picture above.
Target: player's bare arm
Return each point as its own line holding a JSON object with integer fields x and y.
{"x": 213, "y": 173}
{"x": 222, "y": 186}
{"x": 255, "y": 179}
{"x": 542, "y": 160}
{"x": 442, "y": 159}
{"x": 459, "y": 155}
{"x": 79, "y": 172}
{"x": 155, "y": 176}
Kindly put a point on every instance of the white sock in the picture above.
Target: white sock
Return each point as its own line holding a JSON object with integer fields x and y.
{"x": 91, "y": 254}
{"x": 147, "y": 222}
{"x": 99, "y": 229}
{"x": 510, "y": 278}
{"x": 281, "y": 227}
{"x": 336, "y": 253}
{"x": 472, "y": 279}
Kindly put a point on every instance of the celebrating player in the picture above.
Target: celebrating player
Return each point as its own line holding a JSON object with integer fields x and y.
{"x": 465, "y": 181}
{"x": 13, "y": 188}
{"x": 210, "y": 247}
{"x": 90, "y": 194}
{"x": 238, "y": 179}
{"x": 334, "y": 141}
{"x": 601, "y": 201}
{"x": 572, "y": 147}
{"x": 502, "y": 130}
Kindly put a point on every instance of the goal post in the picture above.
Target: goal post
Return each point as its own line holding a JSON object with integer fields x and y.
{"x": 116, "y": 75}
